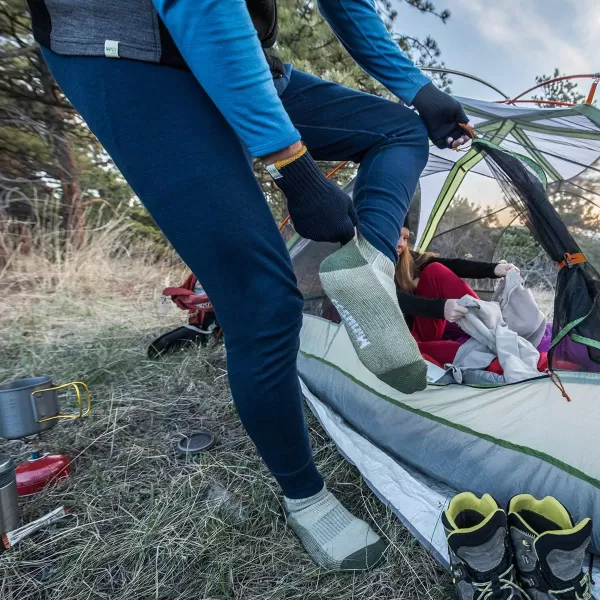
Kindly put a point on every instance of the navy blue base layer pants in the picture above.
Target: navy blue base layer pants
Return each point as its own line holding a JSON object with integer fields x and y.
{"x": 195, "y": 178}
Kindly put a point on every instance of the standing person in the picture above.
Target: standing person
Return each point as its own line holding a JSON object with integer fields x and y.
{"x": 182, "y": 96}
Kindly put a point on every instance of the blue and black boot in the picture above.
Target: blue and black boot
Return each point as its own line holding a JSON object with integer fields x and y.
{"x": 480, "y": 550}
{"x": 549, "y": 549}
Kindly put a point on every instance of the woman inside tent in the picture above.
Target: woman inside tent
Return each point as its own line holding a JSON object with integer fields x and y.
{"x": 428, "y": 288}
{"x": 182, "y": 95}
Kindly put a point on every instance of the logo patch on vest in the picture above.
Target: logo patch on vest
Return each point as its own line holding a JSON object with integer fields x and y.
{"x": 111, "y": 49}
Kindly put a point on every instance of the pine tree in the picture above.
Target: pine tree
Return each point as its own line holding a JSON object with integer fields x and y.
{"x": 38, "y": 127}
{"x": 47, "y": 152}
{"x": 558, "y": 91}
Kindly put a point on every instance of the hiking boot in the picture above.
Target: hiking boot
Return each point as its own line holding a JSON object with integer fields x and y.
{"x": 480, "y": 552}
{"x": 549, "y": 549}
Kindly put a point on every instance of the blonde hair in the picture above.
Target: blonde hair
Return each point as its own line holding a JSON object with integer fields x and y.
{"x": 408, "y": 266}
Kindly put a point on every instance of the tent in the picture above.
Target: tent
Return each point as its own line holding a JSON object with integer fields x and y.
{"x": 416, "y": 451}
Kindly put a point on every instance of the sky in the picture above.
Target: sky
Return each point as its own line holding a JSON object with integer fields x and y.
{"x": 509, "y": 42}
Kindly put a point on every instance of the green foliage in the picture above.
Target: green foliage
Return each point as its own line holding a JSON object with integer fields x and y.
{"x": 24, "y": 148}
{"x": 42, "y": 139}
{"x": 558, "y": 91}
{"x": 578, "y": 202}
{"x": 50, "y": 157}
{"x": 306, "y": 40}
{"x": 589, "y": 242}
{"x": 518, "y": 246}
{"x": 467, "y": 231}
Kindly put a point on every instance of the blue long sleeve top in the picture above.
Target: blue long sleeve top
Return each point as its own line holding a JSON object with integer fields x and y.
{"x": 219, "y": 43}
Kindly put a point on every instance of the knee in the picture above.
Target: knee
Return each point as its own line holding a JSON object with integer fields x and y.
{"x": 280, "y": 317}
{"x": 269, "y": 325}
{"x": 436, "y": 271}
{"x": 411, "y": 129}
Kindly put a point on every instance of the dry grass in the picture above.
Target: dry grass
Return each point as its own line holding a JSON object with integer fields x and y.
{"x": 146, "y": 524}
{"x": 545, "y": 300}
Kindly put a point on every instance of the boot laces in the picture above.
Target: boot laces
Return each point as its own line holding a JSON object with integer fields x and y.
{"x": 507, "y": 584}
{"x": 580, "y": 592}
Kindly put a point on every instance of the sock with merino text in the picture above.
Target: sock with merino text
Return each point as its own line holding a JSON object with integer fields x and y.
{"x": 359, "y": 281}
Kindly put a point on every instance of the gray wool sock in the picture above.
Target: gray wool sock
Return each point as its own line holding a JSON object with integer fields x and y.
{"x": 359, "y": 281}
{"x": 334, "y": 538}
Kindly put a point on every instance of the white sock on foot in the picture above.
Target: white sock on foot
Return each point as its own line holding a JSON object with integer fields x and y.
{"x": 334, "y": 538}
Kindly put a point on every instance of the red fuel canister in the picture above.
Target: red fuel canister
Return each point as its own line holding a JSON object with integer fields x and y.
{"x": 39, "y": 471}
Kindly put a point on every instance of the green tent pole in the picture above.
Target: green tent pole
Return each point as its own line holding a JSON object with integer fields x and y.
{"x": 453, "y": 181}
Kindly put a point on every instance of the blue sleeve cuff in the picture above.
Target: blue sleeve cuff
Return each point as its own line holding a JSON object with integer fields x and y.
{"x": 273, "y": 146}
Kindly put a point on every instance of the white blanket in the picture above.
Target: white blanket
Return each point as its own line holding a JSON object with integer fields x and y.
{"x": 519, "y": 308}
{"x": 491, "y": 335}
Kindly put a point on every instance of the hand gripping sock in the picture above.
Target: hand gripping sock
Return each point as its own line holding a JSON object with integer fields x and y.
{"x": 319, "y": 209}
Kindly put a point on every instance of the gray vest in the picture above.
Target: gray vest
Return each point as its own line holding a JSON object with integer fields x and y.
{"x": 127, "y": 29}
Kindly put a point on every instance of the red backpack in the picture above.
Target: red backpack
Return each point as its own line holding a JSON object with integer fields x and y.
{"x": 202, "y": 322}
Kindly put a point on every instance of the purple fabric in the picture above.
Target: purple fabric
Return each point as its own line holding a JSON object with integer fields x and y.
{"x": 569, "y": 350}
{"x": 576, "y": 353}
{"x": 454, "y": 333}
{"x": 544, "y": 345}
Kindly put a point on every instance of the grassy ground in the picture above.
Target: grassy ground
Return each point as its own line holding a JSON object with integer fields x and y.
{"x": 146, "y": 524}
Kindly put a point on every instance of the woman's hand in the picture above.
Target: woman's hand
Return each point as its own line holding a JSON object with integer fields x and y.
{"x": 502, "y": 269}
{"x": 453, "y": 311}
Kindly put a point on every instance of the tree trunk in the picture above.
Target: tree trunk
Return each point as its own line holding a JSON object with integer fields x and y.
{"x": 72, "y": 209}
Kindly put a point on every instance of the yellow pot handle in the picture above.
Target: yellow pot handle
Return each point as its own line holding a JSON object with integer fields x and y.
{"x": 75, "y": 385}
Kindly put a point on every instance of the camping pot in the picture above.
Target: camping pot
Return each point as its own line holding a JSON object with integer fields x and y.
{"x": 9, "y": 502}
{"x": 30, "y": 406}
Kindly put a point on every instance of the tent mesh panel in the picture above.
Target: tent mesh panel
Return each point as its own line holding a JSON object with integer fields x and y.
{"x": 576, "y": 306}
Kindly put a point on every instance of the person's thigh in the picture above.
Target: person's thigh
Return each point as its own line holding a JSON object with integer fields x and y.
{"x": 191, "y": 172}
{"x": 339, "y": 123}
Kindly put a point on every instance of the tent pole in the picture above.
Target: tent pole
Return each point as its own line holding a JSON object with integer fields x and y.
{"x": 461, "y": 74}
{"x": 453, "y": 182}
{"x": 555, "y": 80}
{"x": 590, "y": 97}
